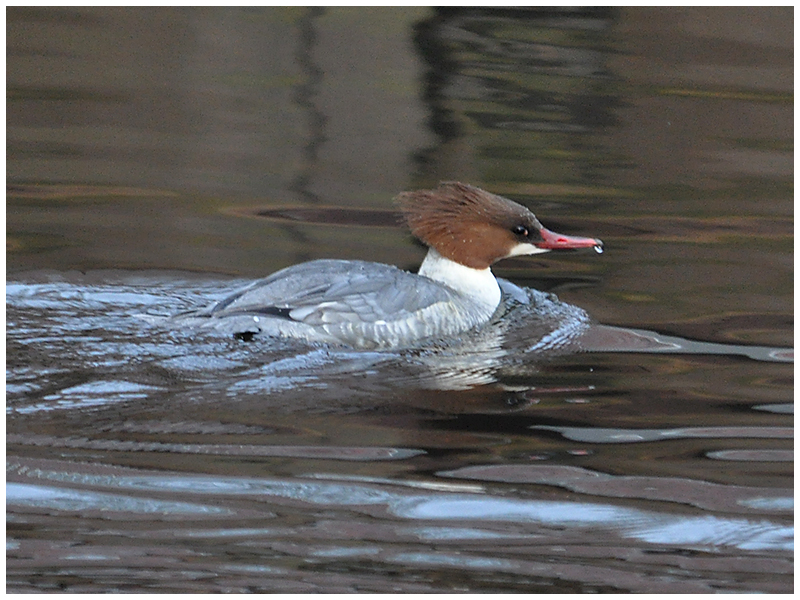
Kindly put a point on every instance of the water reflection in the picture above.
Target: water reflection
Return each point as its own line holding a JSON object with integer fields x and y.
{"x": 627, "y": 436}
{"x": 115, "y": 323}
{"x": 60, "y": 499}
{"x": 99, "y": 375}
{"x": 703, "y": 494}
{"x": 652, "y": 527}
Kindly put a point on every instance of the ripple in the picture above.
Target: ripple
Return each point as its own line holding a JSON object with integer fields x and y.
{"x": 39, "y": 496}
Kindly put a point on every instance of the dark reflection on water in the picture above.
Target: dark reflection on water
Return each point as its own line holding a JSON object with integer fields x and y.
{"x": 652, "y": 455}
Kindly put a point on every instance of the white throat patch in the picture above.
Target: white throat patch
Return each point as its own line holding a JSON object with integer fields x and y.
{"x": 526, "y": 250}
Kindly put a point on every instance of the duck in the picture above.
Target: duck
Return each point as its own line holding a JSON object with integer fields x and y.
{"x": 374, "y": 306}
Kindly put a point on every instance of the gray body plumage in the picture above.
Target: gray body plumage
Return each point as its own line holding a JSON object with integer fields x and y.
{"x": 361, "y": 304}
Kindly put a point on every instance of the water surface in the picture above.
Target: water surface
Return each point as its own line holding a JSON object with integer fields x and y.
{"x": 159, "y": 159}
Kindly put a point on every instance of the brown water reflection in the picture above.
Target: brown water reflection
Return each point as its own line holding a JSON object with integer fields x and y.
{"x": 151, "y": 150}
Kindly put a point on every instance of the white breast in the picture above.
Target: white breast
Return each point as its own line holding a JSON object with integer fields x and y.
{"x": 479, "y": 285}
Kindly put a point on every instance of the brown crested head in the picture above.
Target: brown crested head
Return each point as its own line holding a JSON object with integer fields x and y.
{"x": 469, "y": 225}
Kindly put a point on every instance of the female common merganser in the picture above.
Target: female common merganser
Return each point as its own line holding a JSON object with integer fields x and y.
{"x": 372, "y": 306}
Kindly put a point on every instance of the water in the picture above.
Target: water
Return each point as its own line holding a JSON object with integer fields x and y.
{"x": 159, "y": 159}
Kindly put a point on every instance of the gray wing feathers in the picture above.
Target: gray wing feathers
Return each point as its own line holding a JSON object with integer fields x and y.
{"x": 329, "y": 292}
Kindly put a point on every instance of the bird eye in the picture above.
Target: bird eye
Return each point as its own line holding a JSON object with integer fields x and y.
{"x": 520, "y": 230}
